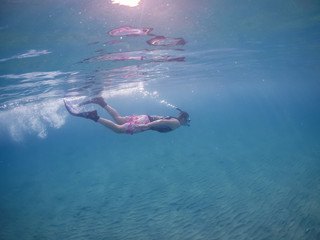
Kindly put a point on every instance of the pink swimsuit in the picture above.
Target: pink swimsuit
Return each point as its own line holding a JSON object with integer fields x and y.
{"x": 133, "y": 121}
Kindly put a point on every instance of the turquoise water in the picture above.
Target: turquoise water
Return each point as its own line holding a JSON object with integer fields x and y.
{"x": 247, "y": 167}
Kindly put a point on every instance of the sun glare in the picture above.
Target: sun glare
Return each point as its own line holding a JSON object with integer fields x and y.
{"x": 129, "y": 3}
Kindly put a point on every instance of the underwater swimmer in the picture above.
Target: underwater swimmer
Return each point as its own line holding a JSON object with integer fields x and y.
{"x": 131, "y": 124}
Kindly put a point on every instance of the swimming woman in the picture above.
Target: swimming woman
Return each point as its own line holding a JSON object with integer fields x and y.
{"x": 131, "y": 124}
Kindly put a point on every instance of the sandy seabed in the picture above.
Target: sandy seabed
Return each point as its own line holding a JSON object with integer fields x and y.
{"x": 228, "y": 189}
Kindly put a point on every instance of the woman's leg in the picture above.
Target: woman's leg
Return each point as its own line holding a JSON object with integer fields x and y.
{"x": 112, "y": 126}
{"x": 115, "y": 115}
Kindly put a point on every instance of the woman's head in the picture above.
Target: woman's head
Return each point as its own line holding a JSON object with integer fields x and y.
{"x": 183, "y": 117}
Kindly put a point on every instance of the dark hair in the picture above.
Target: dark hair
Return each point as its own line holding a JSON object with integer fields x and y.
{"x": 183, "y": 115}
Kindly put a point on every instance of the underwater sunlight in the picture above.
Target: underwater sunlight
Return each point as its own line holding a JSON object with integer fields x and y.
{"x": 129, "y": 3}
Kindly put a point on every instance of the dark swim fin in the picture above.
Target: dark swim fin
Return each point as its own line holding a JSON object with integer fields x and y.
{"x": 93, "y": 115}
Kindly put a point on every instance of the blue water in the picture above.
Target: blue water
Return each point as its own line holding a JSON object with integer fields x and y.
{"x": 247, "y": 167}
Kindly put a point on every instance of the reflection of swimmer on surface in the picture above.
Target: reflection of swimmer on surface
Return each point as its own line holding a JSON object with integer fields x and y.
{"x": 131, "y": 124}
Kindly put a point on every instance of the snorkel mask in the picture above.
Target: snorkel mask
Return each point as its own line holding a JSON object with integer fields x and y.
{"x": 185, "y": 115}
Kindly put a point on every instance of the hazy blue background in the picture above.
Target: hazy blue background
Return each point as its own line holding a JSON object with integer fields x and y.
{"x": 247, "y": 168}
